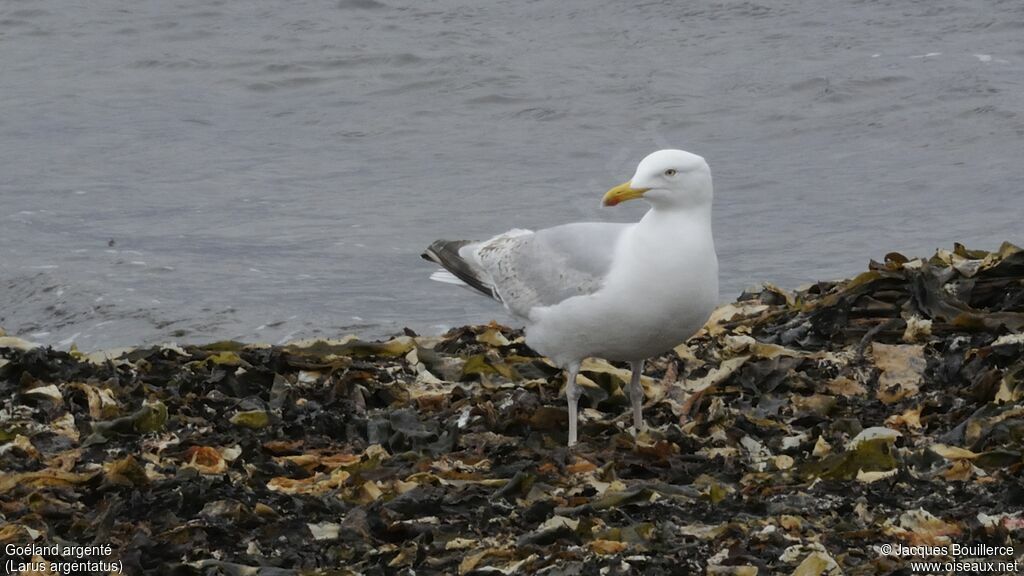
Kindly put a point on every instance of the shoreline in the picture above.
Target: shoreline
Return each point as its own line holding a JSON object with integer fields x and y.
{"x": 798, "y": 432}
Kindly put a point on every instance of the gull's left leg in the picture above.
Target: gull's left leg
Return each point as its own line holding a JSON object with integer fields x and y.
{"x": 572, "y": 397}
{"x": 636, "y": 395}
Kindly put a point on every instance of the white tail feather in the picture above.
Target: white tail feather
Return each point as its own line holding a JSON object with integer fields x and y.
{"x": 447, "y": 277}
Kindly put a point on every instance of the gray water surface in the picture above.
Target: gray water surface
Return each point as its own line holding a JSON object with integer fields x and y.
{"x": 199, "y": 170}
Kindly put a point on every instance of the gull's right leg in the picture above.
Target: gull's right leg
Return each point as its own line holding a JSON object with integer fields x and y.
{"x": 572, "y": 397}
{"x": 636, "y": 395}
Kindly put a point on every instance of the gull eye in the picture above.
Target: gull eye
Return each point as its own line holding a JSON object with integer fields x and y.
{"x": 670, "y": 172}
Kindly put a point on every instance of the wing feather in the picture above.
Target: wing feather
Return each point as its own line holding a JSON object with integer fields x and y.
{"x": 549, "y": 266}
{"x": 524, "y": 269}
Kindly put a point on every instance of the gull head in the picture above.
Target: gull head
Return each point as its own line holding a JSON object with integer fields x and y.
{"x": 667, "y": 179}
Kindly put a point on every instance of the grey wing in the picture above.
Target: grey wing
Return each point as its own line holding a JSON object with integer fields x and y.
{"x": 546, "y": 267}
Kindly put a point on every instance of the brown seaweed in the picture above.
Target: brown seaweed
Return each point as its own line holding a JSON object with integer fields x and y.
{"x": 795, "y": 434}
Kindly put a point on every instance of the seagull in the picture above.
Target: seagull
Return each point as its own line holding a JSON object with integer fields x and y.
{"x": 618, "y": 291}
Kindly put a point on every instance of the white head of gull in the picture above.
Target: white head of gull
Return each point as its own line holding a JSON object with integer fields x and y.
{"x": 599, "y": 289}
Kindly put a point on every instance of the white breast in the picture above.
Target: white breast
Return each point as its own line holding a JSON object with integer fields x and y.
{"x": 661, "y": 288}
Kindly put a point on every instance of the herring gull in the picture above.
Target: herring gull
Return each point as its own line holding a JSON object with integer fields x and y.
{"x": 616, "y": 291}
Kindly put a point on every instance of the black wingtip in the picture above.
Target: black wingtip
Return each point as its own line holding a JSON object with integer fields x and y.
{"x": 445, "y": 253}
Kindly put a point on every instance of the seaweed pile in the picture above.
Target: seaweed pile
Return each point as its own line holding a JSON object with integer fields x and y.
{"x": 797, "y": 433}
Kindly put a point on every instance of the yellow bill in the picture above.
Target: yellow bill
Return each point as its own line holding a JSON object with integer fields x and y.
{"x": 622, "y": 193}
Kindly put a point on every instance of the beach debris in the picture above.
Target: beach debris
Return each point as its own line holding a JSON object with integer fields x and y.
{"x": 795, "y": 434}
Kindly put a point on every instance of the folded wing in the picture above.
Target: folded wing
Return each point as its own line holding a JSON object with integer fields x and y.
{"x": 525, "y": 269}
